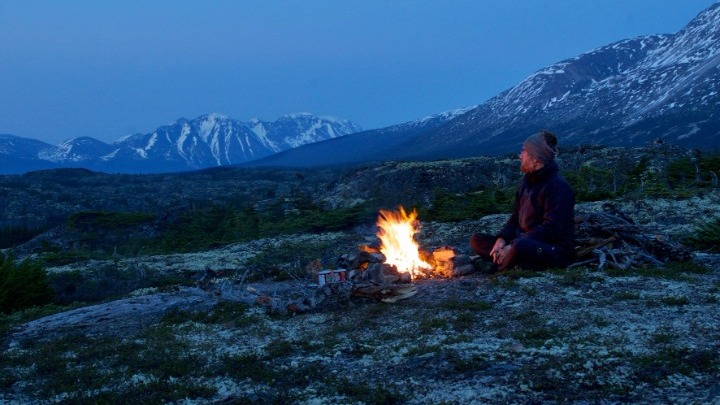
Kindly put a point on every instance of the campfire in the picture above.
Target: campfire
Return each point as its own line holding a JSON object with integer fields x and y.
{"x": 384, "y": 272}
{"x": 399, "y": 258}
{"x": 397, "y": 237}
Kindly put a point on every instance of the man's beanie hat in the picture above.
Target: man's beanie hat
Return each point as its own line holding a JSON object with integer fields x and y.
{"x": 542, "y": 146}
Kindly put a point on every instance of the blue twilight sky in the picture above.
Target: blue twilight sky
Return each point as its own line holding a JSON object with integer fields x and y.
{"x": 108, "y": 68}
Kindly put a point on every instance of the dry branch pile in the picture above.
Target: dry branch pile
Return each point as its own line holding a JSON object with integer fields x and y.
{"x": 612, "y": 239}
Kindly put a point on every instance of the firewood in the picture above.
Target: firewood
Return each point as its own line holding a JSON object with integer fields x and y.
{"x": 582, "y": 252}
{"x": 389, "y": 293}
{"x": 401, "y": 293}
{"x": 612, "y": 239}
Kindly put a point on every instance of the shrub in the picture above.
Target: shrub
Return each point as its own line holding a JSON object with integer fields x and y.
{"x": 705, "y": 236}
{"x": 592, "y": 183}
{"x": 220, "y": 225}
{"x": 710, "y": 167}
{"x": 448, "y": 207}
{"x": 22, "y": 285}
{"x": 682, "y": 172}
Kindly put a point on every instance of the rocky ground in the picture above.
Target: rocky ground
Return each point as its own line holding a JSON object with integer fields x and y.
{"x": 648, "y": 335}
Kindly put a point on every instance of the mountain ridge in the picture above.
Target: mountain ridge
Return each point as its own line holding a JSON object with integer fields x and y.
{"x": 627, "y": 93}
{"x": 187, "y": 144}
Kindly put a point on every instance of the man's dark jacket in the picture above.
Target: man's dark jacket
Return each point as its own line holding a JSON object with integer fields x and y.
{"x": 544, "y": 210}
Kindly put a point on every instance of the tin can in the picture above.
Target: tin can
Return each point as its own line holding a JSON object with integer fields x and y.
{"x": 331, "y": 276}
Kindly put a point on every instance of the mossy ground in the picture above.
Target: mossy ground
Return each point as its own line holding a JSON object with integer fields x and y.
{"x": 582, "y": 335}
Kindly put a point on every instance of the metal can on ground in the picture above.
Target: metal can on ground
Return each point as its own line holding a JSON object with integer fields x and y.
{"x": 331, "y": 276}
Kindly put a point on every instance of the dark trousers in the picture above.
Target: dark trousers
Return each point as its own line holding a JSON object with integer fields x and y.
{"x": 525, "y": 252}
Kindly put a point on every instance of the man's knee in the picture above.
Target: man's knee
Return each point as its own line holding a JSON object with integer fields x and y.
{"x": 482, "y": 243}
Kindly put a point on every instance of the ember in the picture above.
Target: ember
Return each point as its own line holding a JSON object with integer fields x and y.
{"x": 397, "y": 236}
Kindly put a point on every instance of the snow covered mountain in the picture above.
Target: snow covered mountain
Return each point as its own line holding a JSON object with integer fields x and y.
{"x": 207, "y": 141}
{"x": 627, "y": 93}
{"x": 362, "y": 147}
{"x": 19, "y": 155}
{"x": 624, "y": 94}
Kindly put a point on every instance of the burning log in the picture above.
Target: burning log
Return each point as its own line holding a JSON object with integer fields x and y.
{"x": 448, "y": 263}
{"x": 381, "y": 274}
{"x": 443, "y": 254}
{"x": 368, "y": 264}
{"x": 461, "y": 265}
{"x": 396, "y": 232}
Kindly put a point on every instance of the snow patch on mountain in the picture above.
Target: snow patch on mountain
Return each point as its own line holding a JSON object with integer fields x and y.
{"x": 258, "y": 128}
{"x": 447, "y": 115}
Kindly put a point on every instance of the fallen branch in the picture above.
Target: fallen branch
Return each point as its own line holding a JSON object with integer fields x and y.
{"x": 587, "y": 250}
{"x": 612, "y": 239}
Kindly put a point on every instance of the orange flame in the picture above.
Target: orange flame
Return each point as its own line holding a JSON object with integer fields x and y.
{"x": 397, "y": 236}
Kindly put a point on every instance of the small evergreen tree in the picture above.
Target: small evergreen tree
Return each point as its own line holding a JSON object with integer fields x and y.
{"x": 22, "y": 285}
{"x": 705, "y": 236}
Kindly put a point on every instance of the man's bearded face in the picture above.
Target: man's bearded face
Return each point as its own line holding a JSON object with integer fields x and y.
{"x": 528, "y": 164}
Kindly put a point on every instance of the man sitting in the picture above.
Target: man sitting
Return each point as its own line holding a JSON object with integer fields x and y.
{"x": 541, "y": 230}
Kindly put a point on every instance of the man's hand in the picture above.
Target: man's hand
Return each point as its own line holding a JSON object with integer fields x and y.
{"x": 498, "y": 250}
{"x": 500, "y": 254}
{"x": 504, "y": 257}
